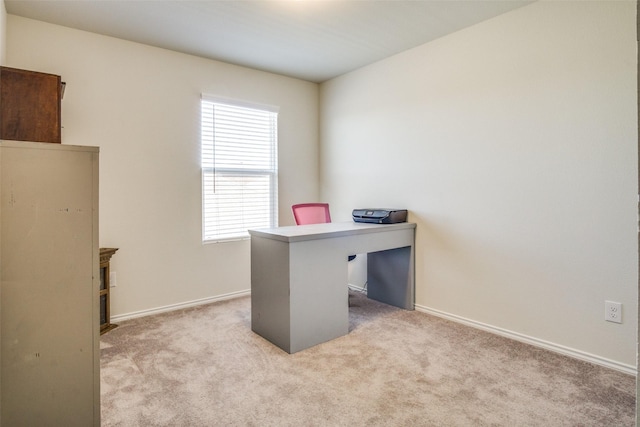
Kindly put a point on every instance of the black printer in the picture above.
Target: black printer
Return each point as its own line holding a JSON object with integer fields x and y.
{"x": 380, "y": 216}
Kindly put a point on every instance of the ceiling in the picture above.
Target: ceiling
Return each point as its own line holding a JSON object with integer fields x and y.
{"x": 306, "y": 39}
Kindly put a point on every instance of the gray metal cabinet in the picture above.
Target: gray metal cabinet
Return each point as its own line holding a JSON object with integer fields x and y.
{"x": 49, "y": 264}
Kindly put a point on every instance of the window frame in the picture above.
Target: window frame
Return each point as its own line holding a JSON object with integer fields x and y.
{"x": 216, "y": 172}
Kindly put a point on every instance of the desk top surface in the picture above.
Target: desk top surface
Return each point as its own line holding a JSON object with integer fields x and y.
{"x": 296, "y": 233}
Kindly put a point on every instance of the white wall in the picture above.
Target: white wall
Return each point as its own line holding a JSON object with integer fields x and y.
{"x": 3, "y": 32}
{"x": 513, "y": 143}
{"x": 140, "y": 105}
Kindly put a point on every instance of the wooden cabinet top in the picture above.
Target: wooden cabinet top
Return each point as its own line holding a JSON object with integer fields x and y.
{"x": 30, "y": 105}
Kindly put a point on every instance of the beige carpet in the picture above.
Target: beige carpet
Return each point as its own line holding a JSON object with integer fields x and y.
{"x": 204, "y": 367}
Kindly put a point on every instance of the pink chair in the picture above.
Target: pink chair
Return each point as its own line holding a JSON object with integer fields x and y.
{"x": 314, "y": 213}
{"x": 311, "y": 213}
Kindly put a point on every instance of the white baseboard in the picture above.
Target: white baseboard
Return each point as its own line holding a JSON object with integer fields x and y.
{"x": 172, "y": 307}
{"x": 576, "y": 354}
{"x": 357, "y": 288}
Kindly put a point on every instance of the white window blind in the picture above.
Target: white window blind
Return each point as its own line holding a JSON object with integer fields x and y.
{"x": 239, "y": 168}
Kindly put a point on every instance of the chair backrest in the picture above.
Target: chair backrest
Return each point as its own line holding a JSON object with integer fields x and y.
{"x": 311, "y": 213}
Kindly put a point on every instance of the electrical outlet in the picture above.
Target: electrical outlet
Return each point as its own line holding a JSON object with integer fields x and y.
{"x": 112, "y": 279}
{"x": 613, "y": 311}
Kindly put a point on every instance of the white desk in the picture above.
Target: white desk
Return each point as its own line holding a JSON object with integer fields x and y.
{"x": 299, "y": 294}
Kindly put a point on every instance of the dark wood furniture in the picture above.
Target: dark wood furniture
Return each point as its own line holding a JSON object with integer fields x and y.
{"x": 30, "y": 106}
{"x": 105, "y": 309}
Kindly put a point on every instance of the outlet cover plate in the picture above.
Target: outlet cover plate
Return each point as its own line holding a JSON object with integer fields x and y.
{"x": 613, "y": 311}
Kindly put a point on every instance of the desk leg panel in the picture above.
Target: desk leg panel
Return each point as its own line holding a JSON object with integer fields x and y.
{"x": 270, "y": 306}
{"x": 390, "y": 277}
{"x": 319, "y": 293}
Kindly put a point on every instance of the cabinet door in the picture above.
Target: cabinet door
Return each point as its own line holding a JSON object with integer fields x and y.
{"x": 30, "y": 104}
{"x": 49, "y": 308}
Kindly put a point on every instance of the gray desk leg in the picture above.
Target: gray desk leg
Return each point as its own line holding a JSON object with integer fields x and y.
{"x": 270, "y": 308}
{"x": 390, "y": 277}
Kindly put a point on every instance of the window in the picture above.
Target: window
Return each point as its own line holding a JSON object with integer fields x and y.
{"x": 239, "y": 168}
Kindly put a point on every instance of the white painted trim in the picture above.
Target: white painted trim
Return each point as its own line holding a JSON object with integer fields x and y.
{"x": 576, "y": 354}
{"x": 173, "y": 307}
{"x": 356, "y": 288}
